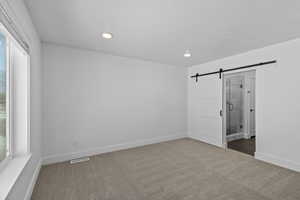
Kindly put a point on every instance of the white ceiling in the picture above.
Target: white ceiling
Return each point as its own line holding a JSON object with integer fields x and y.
{"x": 161, "y": 30}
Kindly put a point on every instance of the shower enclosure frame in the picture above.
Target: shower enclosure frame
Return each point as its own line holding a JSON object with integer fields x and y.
{"x": 246, "y": 103}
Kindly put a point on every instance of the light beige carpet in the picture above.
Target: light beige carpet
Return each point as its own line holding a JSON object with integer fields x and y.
{"x": 177, "y": 170}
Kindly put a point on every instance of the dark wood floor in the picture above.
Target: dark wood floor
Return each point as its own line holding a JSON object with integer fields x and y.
{"x": 243, "y": 145}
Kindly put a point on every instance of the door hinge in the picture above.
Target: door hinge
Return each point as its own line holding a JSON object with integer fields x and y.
{"x": 241, "y": 86}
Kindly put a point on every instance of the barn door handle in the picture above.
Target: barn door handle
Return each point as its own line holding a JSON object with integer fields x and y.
{"x": 230, "y": 107}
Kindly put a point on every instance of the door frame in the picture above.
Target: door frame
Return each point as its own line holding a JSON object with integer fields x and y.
{"x": 246, "y": 103}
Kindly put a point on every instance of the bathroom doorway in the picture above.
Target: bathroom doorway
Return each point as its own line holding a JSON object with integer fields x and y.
{"x": 239, "y": 111}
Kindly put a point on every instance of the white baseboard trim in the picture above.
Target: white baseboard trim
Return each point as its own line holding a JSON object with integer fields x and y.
{"x": 69, "y": 156}
{"x": 33, "y": 181}
{"x": 278, "y": 161}
{"x": 206, "y": 141}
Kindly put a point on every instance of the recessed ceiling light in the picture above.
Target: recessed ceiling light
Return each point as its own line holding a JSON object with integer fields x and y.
{"x": 187, "y": 54}
{"x": 107, "y": 35}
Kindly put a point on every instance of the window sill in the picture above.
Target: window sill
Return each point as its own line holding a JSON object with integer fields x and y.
{"x": 10, "y": 173}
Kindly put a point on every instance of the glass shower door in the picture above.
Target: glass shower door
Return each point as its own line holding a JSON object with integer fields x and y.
{"x": 234, "y": 105}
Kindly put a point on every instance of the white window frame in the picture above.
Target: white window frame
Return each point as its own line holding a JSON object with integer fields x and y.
{"x": 10, "y": 100}
{"x": 8, "y": 103}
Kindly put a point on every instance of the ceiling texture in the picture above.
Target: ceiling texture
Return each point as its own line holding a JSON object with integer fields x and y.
{"x": 161, "y": 30}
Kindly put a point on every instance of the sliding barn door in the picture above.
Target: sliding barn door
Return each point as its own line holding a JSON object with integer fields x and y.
{"x": 205, "y": 103}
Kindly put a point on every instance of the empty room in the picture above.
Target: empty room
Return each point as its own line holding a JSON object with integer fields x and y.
{"x": 149, "y": 100}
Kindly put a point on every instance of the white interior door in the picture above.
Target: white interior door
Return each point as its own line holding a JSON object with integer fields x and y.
{"x": 205, "y": 103}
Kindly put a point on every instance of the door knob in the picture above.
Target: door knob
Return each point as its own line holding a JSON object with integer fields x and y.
{"x": 251, "y": 110}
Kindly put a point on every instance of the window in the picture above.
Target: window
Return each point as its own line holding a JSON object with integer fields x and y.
{"x": 4, "y": 99}
{"x": 14, "y": 98}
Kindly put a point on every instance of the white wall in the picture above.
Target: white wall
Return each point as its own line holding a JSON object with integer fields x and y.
{"x": 277, "y": 102}
{"x": 20, "y": 15}
{"x": 96, "y": 102}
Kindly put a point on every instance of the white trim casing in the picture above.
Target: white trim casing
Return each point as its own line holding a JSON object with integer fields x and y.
{"x": 247, "y": 74}
{"x": 10, "y": 174}
{"x": 33, "y": 181}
